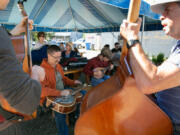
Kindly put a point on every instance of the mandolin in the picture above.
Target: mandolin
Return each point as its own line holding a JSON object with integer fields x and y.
{"x": 118, "y": 107}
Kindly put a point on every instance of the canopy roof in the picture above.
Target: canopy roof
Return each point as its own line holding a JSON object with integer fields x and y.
{"x": 70, "y": 15}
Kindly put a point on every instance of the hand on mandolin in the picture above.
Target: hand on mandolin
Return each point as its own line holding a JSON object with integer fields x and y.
{"x": 21, "y": 27}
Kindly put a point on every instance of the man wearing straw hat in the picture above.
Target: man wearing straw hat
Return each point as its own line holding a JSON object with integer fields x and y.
{"x": 163, "y": 80}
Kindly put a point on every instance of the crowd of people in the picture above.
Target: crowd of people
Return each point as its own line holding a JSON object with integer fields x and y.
{"x": 25, "y": 93}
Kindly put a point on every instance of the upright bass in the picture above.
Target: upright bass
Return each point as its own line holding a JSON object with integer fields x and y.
{"x": 27, "y": 63}
{"x": 117, "y": 107}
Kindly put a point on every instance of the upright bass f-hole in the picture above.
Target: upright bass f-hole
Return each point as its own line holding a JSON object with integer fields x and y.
{"x": 27, "y": 63}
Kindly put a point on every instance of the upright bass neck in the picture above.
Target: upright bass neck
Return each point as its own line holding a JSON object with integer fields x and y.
{"x": 27, "y": 62}
{"x": 133, "y": 15}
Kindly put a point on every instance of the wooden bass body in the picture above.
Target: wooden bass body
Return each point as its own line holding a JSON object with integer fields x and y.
{"x": 122, "y": 110}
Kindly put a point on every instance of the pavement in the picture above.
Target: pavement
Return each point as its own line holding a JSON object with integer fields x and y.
{"x": 89, "y": 53}
{"x": 44, "y": 125}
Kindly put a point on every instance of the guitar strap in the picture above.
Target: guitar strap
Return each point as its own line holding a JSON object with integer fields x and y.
{"x": 8, "y": 118}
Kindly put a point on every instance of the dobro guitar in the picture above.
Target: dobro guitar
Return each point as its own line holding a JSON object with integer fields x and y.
{"x": 117, "y": 107}
{"x": 66, "y": 104}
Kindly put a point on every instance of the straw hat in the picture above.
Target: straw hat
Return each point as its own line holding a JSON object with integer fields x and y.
{"x": 158, "y": 6}
{"x": 70, "y": 44}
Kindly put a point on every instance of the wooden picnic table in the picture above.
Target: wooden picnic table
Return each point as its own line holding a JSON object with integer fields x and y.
{"x": 76, "y": 72}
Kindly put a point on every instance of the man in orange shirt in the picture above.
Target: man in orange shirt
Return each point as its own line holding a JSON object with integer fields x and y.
{"x": 53, "y": 83}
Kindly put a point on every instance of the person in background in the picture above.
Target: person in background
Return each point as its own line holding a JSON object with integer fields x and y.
{"x": 77, "y": 54}
{"x": 54, "y": 83}
{"x": 99, "y": 76}
{"x": 107, "y": 46}
{"x": 96, "y": 67}
{"x": 164, "y": 80}
{"x": 41, "y": 40}
{"x": 68, "y": 53}
{"x": 62, "y": 46}
{"x": 117, "y": 48}
{"x": 17, "y": 88}
{"x": 116, "y": 53}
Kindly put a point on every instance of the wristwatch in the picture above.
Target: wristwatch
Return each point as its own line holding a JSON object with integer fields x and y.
{"x": 132, "y": 42}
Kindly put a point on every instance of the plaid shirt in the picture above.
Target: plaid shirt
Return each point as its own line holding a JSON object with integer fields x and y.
{"x": 94, "y": 63}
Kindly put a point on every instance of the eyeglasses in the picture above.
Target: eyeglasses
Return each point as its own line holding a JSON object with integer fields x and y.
{"x": 55, "y": 57}
{"x": 42, "y": 36}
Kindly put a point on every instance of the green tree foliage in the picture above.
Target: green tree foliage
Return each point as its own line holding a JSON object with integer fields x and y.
{"x": 157, "y": 60}
{"x": 34, "y": 35}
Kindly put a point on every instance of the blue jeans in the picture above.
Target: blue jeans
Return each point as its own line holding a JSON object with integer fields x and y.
{"x": 61, "y": 119}
{"x": 77, "y": 111}
{"x": 61, "y": 124}
{"x": 95, "y": 81}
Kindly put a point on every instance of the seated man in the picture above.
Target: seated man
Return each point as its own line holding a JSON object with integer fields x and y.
{"x": 53, "y": 83}
{"x": 96, "y": 67}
